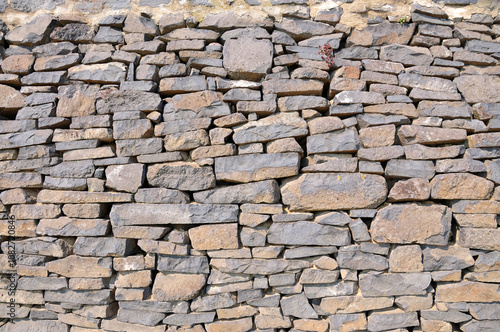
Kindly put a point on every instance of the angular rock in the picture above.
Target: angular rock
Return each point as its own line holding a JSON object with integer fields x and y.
{"x": 303, "y": 29}
{"x": 339, "y": 141}
{"x": 354, "y": 304}
{"x": 190, "y": 264}
{"x": 410, "y": 80}
{"x": 411, "y": 134}
{"x": 33, "y": 33}
{"x": 484, "y": 140}
{"x": 195, "y": 105}
{"x": 407, "y": 55}
{"x": 181, "y": 176}
{"x": 410, "y": 168}
{"x": 43, "y": 246}
{"x": 77, "y": 100}
{"x": 258, "y": 266}
{"x": 412, "y": 223}
{"x": 190, "y": 319}
{"x": 61, "y": 196}
{"x": 358, "y": 97}
{"x": 392, "y": 319}
{"x": 334, "y": 191}
{"x": 292, "y": 87}
{"x": 118, "y": 101}
{"x": 31, "y": 137}
{"x": 73, "y": 32}
{"x": 65, "y": 226}
{"x": 125, "y": 177}
{"x": 103, "y": 246}
{"x": 112, "y": 72}
{"x": 377, "y": 136}
{"x": 394, "y": 284}
{"x": 176, "y": 85}
{"x": 11, "y": 98}
{"x": 468, "y": 84}
{"x": 307, "y": 233}
{"x": 297, "y": 306}
{"x": 460, "y": 186}
{"x": 447, "y": 258}
{"x": 256, "y": 167}
{"x": 247, "y": 58}
{"x": 177, "y": 287}
{"x": 35, "y": 325}
{"x": 415, "y": 189}
{"x": 270, "y": 128}
{"x": 256, "y": 192}
{"x": 350, "y": 258}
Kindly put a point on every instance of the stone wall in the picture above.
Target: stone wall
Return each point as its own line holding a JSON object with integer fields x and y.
{"x": 175, "y": 173}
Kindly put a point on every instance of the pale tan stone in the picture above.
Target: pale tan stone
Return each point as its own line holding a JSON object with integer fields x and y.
{"x": 326, "y": 263}
{"x": 468, "y": 291}
{"x": 354, "y": 304}
{"x": 479, "y": 238}
{"x": 373, "y": 137}
{"x": 64, "y": 196}
{"x": 312, "y": 325}
{"x": 87, "y": 283}
{"x": 96, "y": 153}
{"x": 324, "y": 124}
{"x": 461, "y": 186}
{"x": 476, "y": 220}
{"x": 20, "y": 64}
{"x": 236, "y": 312}
{"x": 416, "y": 189}
{"x": 414, "y": 302}
{"x": 238, "y": 325}
{"x": 435, "y": 326}
{"x": 22, "y": 228}
{"x": 406, "y": 259}
{"x": 177, "y": 287}
{"x": 77, "y": 266}
{"x": 133, "y": 279}
{"x": 214, "y": 237}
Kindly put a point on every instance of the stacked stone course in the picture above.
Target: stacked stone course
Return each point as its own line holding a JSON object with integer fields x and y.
{"x": 220, "y": 176}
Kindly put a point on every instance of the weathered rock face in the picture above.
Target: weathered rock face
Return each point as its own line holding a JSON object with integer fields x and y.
{"x": 293, "y": 168}
{"x": 412, "y": 223}
{"x": 247, "y": 58}
{"x": 334, "y": 191}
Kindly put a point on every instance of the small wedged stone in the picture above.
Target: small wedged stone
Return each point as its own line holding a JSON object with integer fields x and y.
{"x": 334, "y": 191}
{"x": 412, "y": 223}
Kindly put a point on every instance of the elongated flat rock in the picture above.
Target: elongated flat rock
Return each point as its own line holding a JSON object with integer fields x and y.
{"x": 412, "y": 223}
{"x": 164, "y": 214}
{"x": 308, "y": 233}
{"x": 270, "y": 128}
{"x": 255, "y": 192}
{"x": 256, "y": 167}
{"x": 334, "y": 191}
{"x": 62, "y": 196}
{"x": 394, "y": 284}
{"x": 257, "y": 266}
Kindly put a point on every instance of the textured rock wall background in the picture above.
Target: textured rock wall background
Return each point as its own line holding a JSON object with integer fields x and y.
{"x": 175, "y": 175}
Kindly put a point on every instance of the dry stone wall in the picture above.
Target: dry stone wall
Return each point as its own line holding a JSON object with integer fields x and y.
{"x": 174, "y": 175}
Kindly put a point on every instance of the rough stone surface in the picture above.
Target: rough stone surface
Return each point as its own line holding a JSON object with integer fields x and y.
{"x": 412, "y": 223}
{"x": 330, "y": 191}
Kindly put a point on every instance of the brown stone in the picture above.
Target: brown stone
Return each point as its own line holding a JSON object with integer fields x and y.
{"x": 214, "y": 237}
{"x": 416, "y": 189}
{"x": 468, "y": 291}
{"x": 378, "y": 136}
{"x": 21, "y": 64}
{"x": 11, "y": 98}
{"x": 460, "y": 186}
{"x": 406, "y": 259}
{"x": 76, "y": 266}
{"x": 334, "y": 191}
{"x": 412, "y": 223}
{"x": 247, "y": 58}
{"x": 411, "y": 134}
{"x": 479, "y": 238}
{"x": 177, "y": 287}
